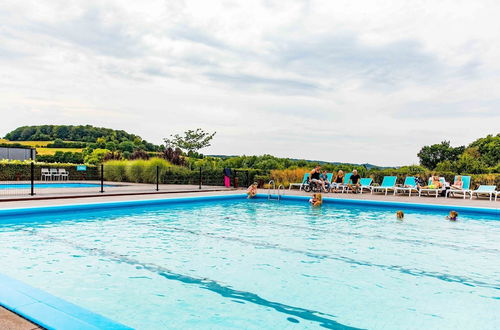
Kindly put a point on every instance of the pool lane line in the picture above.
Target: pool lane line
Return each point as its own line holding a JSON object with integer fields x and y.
{"x": 404, "y": 270}
{"x": 205, "y": 283}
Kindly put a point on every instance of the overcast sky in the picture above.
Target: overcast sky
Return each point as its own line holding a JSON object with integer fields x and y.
{"x": 349, "y": 81}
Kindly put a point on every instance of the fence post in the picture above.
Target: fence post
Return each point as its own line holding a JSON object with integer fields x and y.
{"x": 157, "y": 177}
{"x": 32, "y": 179}
{"x": 200, "y": 179}
{"x": 102, "y": 178}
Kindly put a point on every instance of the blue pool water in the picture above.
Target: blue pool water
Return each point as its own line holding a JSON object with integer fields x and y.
{"x": 263, "y": 265}
{"x": 51, "y": 185}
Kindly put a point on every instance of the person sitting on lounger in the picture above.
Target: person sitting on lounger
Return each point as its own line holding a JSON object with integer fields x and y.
{"x": 458, "y": 184}
{"x": 252, "y": 190}
{"x": 316, "y": 179}
{"x": 324, "y": 177}
{"x": 354, "y": 183}
{"x": 435, "y": 183}
{"x": 418, "y": 181}
{"x": 339, "y": 180}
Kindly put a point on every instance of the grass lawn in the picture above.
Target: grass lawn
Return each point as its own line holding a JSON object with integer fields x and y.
{"x": 28, "y": 143}
{"x": 51, "y": 151}
{"x": 40, "y": 146}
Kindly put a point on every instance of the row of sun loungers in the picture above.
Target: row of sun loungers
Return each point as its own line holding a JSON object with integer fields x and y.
{"x": 54, "y": 174}
{"x": 408, "y": 187}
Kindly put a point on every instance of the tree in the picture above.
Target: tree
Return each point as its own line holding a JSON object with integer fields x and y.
{"x": 431, "y": 155}
{"x": 489, "y": 149}
{"x": 191, "y": 142}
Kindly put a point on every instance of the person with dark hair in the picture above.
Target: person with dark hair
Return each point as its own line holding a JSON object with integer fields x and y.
{"x": 315, "y": 177}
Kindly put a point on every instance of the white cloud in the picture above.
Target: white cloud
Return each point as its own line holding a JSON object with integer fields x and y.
{"x": 345, "y": 81}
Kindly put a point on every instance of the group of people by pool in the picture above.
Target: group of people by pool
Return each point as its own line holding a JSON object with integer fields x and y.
{"x": 320, "y": 178}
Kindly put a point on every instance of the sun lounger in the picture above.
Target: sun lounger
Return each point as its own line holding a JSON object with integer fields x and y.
{"x": 436, "y": 191}
{"x": 388, "y": 183}
{"x": 464, "y": 191}
{"x": 485, "y": 190}
{"x": 365, "y": 183}
{"x": 343, "y": 186}
{"x": 329, "y": 177}
{"x": 301, "y": 184}
{"x": 408, "y": 186}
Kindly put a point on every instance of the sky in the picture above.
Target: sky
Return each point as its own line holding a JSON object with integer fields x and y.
{"x": 347, "y": 81}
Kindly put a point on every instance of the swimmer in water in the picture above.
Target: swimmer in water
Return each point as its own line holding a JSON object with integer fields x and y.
{"x": 452, "y": 216}
{"x": 252, "y": 190}
{"x": 317, "y": 200}
{"x": 400, "y": 215}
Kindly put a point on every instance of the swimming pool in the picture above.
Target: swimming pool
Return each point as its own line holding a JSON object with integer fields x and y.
{"x": 259, "y": 264}
{"x": 51, "y": 185}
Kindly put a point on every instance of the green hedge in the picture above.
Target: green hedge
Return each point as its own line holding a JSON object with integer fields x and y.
{"x": 22, "y": 171}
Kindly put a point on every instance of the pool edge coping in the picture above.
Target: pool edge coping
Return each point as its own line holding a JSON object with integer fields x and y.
{"x": 145, "y": 202}
{"x": 49, "y": 311}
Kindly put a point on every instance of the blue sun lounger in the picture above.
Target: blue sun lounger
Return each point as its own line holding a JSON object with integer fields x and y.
{"x": 388, "y": 183}
{"x": 485, "y": 190}
{"x": 433, "y": 190}
{"x": 301, "y": 184}
{"x": 365, "y": 183}
{"x": 408, "y": 186}
{"x": 465, "y": 189}
{"x": 343, "y": 186}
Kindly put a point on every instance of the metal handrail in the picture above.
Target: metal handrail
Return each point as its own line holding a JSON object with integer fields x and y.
{"x": 279, "y": 195}
{"x": 269, "y": 189}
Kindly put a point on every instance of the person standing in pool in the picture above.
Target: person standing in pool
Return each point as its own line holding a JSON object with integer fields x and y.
{"x": 252, "y": 190}
{"x": 317, "y": 200}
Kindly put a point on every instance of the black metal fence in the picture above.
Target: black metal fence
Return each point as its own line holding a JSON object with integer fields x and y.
{"x": 44, "y": 179}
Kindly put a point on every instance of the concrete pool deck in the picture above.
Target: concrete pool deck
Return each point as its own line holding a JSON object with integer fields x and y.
{"x": 10, "y": 320}
{"x": 174, "y": 191}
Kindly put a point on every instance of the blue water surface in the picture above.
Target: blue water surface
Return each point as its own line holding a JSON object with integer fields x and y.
{"x": 263, "y": 265}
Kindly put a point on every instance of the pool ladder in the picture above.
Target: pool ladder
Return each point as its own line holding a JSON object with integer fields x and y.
{"x": 275, "y": 191}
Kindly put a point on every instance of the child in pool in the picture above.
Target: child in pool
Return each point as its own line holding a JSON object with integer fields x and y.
{"x": 252, "y": 190}
{"x": 317, "y": 200}
{"x": 452, "y": 216}
{"x": 400, "y": 215}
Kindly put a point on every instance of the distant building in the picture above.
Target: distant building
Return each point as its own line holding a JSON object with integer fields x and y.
{"x": 17, "y": 153}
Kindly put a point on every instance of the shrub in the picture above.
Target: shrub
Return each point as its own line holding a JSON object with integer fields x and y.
{"x": 135, "y": 170}
{"x": 115, "y": 170}
{"x": 285, "y": 177}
